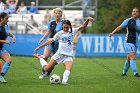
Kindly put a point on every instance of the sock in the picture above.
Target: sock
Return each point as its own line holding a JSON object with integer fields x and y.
{"x": 0, "y": 66}
{"x": 5, "y": 68}
{"x": 44, "y": 72}
{"x": 133, "y": 66}
{"x": 43, "y": 62}
{"x": 66, "y": 76}
{"x": 126, "y": 67}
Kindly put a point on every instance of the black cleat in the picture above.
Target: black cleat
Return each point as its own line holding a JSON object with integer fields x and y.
{"x": 124, "y": 75}
{"x": 137, "y": 75}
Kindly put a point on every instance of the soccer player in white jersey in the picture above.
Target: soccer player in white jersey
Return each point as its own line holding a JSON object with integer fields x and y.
{"x": 65, "y": 51}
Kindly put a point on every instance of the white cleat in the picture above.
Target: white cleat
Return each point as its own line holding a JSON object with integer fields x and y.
{"x": 2, "y": 79}
{"x": 43, "y": 76}
{"x": 64, "y": 83}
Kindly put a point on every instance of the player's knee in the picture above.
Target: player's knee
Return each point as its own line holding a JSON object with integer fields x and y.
{"x": 132, "y": 57}
{"x": 69, "y": 67}
{"x": 8, "y": 60}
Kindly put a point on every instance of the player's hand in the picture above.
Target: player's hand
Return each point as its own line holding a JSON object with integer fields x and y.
{"x": 111, "y": 34}
{"x": 14, "y": 39}
{"x": 49, "y": 39}
{"x": 36, "y": 50}
{"x": 90, "y": 19}
{"x": 40, "y": 40}
{"x": 7, "y": 42}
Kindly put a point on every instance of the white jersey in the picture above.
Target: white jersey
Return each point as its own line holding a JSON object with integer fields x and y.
{"x": 65, "y": 41}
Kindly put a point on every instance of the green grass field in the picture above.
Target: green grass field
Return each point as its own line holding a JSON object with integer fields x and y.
{"x": 89, "y": 75}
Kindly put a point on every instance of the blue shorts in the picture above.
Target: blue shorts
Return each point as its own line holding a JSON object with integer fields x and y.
{"x": 53, "y": 50}
{"x": 3, "y": 51}
{"x": 129, "y": 47}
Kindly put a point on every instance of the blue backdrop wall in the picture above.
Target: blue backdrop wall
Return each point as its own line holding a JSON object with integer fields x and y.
{"x": 88, "y": 45}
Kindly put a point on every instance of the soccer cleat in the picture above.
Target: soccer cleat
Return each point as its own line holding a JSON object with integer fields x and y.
{"x": 37, "y": 56}
{"x": 124, "y": 75}
{"x": 64, "y": 83}
{"x": 2, "y": 79}
{"x": 43, "y": 76}
{"x": 137, "y": 75}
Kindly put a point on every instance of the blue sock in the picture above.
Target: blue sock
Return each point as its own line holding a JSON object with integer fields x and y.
{"x": 126, "y": 67}
{"x": 5, "y": 68}
{"x": 133, "y": 66}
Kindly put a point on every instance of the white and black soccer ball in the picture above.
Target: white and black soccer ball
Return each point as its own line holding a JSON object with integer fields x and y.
{"x": 55, "y": 79}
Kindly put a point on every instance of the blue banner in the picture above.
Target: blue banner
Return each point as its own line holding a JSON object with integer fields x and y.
{"x": 24, "y": 45}
{"x": 88, "y": 45}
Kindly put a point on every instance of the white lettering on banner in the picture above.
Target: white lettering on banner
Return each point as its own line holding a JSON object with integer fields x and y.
{"x": 103, "y": 44}
{"x": 87, "y": 41}
{"x": 109, "y": 44}
{"x": 120, "y": 48}
{"x": 99, "y": 44}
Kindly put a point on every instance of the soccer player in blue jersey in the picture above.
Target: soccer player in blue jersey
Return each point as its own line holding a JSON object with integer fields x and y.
{"x": 54, "y": 26}
{"x": 64, "y": 53}
{"x": 4, "y": 32}
{"x": 132, "y": 26}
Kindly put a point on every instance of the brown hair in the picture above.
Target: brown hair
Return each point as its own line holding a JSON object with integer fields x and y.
{"x": 68, "y": 23}
{"x": 3, "y": 15}
{"x": 137, "y": 8}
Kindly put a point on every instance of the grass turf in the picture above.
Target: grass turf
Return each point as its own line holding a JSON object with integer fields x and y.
{"x": 89, "y": 75}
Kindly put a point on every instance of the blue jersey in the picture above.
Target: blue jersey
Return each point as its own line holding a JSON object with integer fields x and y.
{"x": 3, "y": 34}
{"x": 133, "y": 27}
{"x": 54, "y": 28}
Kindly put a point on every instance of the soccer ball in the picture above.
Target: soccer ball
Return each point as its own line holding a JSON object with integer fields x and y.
{"x": 55, "y": 79}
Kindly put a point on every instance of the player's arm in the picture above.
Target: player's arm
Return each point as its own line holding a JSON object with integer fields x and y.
{"x": 5, "y": 41}
{"x": 12, "y": 36}
{"x": 45, "y": 35}
{"x": 49, "y": 41}
{"x": 85, "y": 23}
{"x": 116, "y": 30}
{"x": 123, "y": 25}
{"x": 8, "y": 41}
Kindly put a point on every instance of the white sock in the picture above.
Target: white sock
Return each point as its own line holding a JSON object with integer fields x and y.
{"x": 43, "y": 62}
{"x": 66, "y": 76}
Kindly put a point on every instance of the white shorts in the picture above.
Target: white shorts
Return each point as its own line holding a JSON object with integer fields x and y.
{"x": 61, "y": 58}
